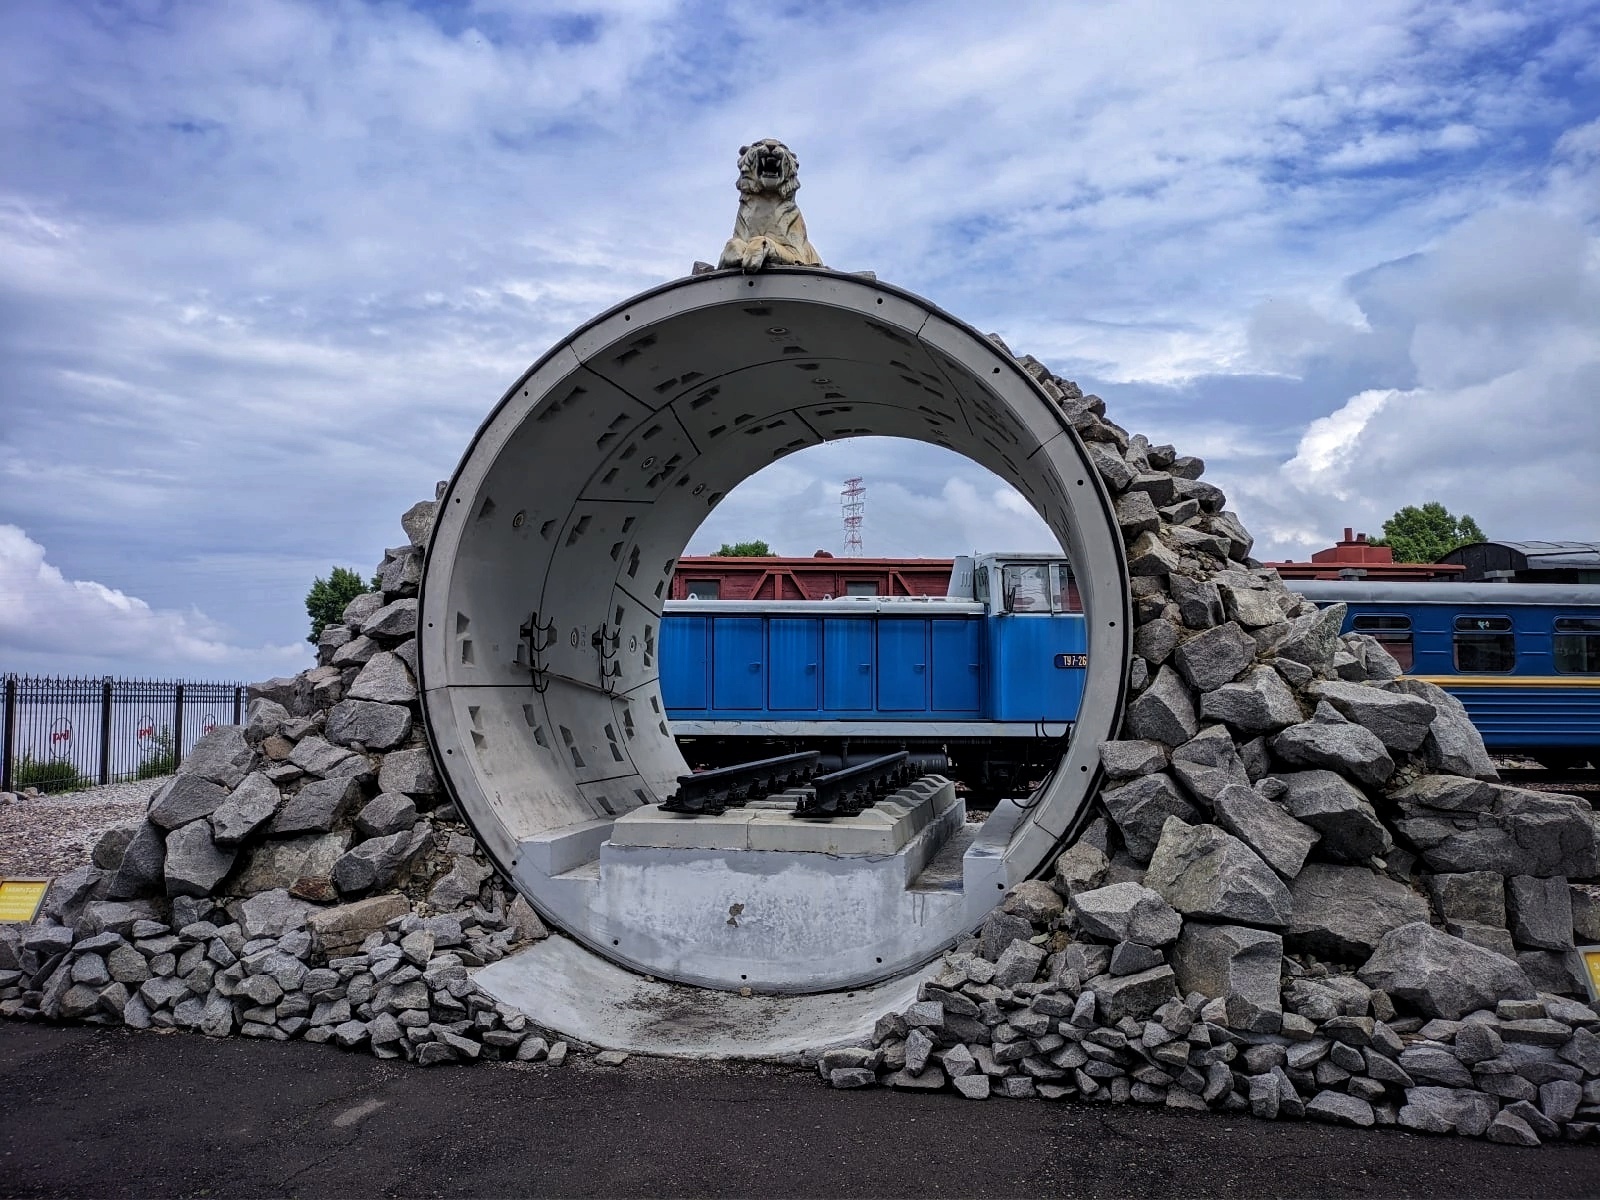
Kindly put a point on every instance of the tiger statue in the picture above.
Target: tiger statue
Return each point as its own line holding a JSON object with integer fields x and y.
{"x": 769, "y": 229}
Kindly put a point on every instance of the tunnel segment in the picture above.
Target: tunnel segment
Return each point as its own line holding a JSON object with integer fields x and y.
{"x": 541, "y": 604}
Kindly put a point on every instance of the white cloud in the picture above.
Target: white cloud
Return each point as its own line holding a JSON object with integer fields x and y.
{"x": 1504, "y": 346}
{"x": 47, "y": 618}
{"x": 1384, "y": 149}
{"x": 1329, "y": 442}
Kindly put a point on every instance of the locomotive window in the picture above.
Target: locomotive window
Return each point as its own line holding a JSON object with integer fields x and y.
{"x": 1577, "y": 645}
{"x": 1026, "y": 587}
{"x": 980, "y": 585}
{"x": 705, "y": 589}
{"x": 1393, "y": 633}
{"x": 1064, "y": 595}
{"x": 1485, "y": 645}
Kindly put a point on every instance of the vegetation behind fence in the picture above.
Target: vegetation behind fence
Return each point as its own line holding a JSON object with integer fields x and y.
{"x": 62, "y": 734}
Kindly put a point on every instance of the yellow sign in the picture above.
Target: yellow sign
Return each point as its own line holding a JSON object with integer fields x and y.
{"x": 1591, "y": 968}
{"x": 20, "y": 898}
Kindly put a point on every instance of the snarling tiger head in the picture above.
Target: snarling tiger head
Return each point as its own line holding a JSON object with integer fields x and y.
{"x": 769, "y": 166}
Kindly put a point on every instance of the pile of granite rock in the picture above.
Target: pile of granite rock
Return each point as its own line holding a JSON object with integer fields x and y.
{"x": 1307, "y": 893}
{"x": 272, "y": 966}
{"x": 302, "y": 876}
{"x": 1058, "y": 998}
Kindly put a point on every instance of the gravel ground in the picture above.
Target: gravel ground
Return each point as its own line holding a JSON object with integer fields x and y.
{"x": 48, "y": 835}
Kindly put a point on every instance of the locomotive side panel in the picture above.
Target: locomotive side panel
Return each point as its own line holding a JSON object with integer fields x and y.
{"x": 1038, "y": 667}
{"x": 902, "y": 666}
{"x": 958, "y": 667}
{"x": 738, "y": 664}
{"x": 848, "y": 654}
{"x": 686, "y": 664}
{"x": 794, "y": 664}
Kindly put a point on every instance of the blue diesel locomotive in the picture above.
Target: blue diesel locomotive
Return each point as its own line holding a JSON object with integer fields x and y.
{"x": 990, "y": 675}
{"x": 1523, "y": 658}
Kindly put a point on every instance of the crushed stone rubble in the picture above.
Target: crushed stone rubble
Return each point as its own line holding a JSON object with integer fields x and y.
{"x": 1037, "y": 1006}
{"x": 1304, "y": 892}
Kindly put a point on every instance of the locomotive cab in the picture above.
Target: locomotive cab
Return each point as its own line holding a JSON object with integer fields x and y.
{"x": 1036, "y": 634}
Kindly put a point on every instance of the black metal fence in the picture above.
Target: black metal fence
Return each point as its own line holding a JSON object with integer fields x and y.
{"x": 61, "y": 734}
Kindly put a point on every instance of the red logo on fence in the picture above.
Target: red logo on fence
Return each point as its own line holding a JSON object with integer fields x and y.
{"x": 207, "y": 725}
{"x": 145, "y": 734}
{"x": 61, "y": 734}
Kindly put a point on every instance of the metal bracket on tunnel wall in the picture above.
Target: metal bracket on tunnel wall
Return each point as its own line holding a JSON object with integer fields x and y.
{"x": 536, "y": 639}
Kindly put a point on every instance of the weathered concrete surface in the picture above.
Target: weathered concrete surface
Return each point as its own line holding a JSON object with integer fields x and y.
{"x": 563, "y": 987}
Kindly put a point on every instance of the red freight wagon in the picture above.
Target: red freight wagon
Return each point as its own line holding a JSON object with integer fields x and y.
{"x": 821, "y": 577}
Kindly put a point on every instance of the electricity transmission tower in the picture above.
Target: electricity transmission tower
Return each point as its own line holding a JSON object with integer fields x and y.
{"x": 852, "y": 504}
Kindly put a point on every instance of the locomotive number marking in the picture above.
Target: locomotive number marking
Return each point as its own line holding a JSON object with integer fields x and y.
{"x": 1072, "y": 662}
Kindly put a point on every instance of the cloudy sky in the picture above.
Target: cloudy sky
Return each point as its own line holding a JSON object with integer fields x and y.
{"x": 264, "y": 266}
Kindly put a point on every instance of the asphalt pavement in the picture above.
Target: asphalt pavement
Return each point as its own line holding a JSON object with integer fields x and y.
{"x": 111, "y": 1112}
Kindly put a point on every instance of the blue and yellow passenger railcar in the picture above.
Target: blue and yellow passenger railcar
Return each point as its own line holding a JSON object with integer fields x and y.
{"x": 1523, "y": 658}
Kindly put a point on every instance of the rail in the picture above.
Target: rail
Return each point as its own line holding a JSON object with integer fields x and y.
{"x": 845, "y": 793}
{"x": 715, "y": 791}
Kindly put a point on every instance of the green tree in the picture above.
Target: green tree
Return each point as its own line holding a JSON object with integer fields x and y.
{"x": 326, "y": 600}
{"x": 744, "y": 550}
{"x": 1427, "y": 534}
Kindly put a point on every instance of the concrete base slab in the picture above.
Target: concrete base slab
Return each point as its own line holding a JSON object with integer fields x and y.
{"x": 566, "y": 989}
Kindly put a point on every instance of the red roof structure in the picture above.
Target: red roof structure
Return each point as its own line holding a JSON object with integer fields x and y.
{"x": 1357, "y": 558}
{"x": 820, "y": 577}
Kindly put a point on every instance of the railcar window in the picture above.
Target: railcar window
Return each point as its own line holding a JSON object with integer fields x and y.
{"x": 705, "y": 589}
{"x": 861, "y": 587}
{"x": 1485, "y": 645}
{"x": 1393, "y": 633}
{"x": 1577, "y": 645}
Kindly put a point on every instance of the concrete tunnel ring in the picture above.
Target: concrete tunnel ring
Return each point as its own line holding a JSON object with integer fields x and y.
{"x": 557, "y": 535}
